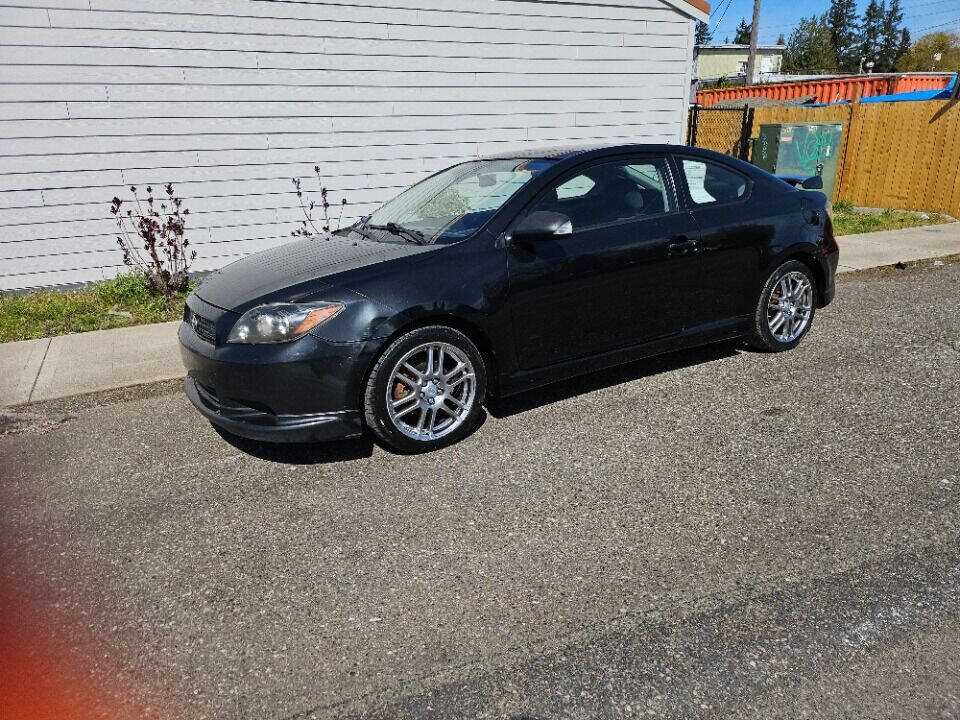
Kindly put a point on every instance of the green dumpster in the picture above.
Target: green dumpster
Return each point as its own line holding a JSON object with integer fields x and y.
{"x": 803, "y": 149}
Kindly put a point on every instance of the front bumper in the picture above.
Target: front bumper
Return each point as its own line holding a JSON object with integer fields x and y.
{"x": 259, "y": 425}
{"x": 302, "y": 391}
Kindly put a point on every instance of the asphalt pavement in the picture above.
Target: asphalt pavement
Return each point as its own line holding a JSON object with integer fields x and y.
{"x": 716, "y": 533}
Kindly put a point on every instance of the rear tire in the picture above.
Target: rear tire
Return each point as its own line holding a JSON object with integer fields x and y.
{"x": 786, "y": 308}
{"x": 425, "y": 390}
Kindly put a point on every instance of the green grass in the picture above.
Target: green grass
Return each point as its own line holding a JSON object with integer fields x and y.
{"x": 846, "y": 221}
{"x": 120, "y": 302}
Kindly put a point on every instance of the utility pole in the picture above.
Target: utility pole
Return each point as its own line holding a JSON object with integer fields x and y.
{"x": 754, "y": 30}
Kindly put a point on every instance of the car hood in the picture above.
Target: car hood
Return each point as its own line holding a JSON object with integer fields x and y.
{"x": 266, "y": 273}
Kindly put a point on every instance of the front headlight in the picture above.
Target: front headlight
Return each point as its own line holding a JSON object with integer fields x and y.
{"x": 281, "y": 322}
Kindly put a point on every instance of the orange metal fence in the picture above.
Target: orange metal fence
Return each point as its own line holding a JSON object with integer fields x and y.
{"x": 831, "y": 89}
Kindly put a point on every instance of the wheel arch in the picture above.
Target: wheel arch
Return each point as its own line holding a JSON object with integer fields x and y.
{"x": 809, "y": 258}
{"x": 405, "y": 323}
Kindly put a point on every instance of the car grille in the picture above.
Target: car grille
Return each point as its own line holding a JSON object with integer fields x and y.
{"x": 203, "y": 327}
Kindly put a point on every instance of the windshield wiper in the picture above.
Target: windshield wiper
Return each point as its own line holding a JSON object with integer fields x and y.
{"x": 408, "y": 234}
{"x": 358, "y": 229}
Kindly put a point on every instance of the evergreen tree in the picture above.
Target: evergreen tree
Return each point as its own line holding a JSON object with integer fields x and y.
{"x": 904, "y": 47}
{"x": 742, "y": 35}
{"x": 871, "y": 33}
{"x": 890, "y": 38}
{"x": 810, "y": 47}
{"x": 842, "y": 20}
{"x": 781, "y": 40}
{"x": 703, "y": 36}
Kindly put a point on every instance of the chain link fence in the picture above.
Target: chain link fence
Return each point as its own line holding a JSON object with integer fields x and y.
{"x": 726, "y": 131}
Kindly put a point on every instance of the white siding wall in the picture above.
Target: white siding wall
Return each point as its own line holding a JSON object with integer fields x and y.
{"x": 229, "y": 99}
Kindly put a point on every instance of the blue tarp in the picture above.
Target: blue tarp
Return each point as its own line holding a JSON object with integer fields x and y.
{"x": 915, "y": 96}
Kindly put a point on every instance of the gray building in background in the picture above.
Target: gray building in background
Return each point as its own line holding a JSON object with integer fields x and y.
{"x": 230, "y": 99}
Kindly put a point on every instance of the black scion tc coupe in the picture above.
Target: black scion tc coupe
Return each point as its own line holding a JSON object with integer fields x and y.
{"x": 498, "y": 275}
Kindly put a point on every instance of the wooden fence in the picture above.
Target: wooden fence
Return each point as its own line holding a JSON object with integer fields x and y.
{"x": 903, "y": 155}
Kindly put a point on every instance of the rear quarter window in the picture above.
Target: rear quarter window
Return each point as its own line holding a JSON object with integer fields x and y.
{"x": 710, "y": 183}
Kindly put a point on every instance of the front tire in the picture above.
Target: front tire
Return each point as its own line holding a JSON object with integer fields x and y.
{"x": 786, "y": 308}
{"x": 425, "y": 390}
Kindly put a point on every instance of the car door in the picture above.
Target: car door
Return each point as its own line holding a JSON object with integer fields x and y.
{"x": 618, "y": 279}
{"x": 732, "y": 235}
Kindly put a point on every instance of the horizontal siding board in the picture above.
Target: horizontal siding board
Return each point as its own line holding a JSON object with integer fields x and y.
{"x": 28, "y": 198}
{"x": 363, "y": 23}
{"x": 34, "y": 111}
{"x": 34, "y": 280}
{"x": 322, "y": 123}
{"x": 24, "y": 17}
{"x": 372, "y": 46}
{"x": 229, "y": 99}
{"x": 518, "y": 11}
{"x": 530, "y": 16}
{"x": 636, "y": 85}
{"x": 385, "y": 64}
{"x": 326, "y": 70}
{"x": 44, "y": 4}
{"x": 356, "y": 107}
{"x": 382, "y": 10}
{"x": 294, "y": 162}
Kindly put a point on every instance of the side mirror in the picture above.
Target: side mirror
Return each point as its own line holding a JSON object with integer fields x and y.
{"x": 813, "y": 183}
{"x": 542, "y": 224}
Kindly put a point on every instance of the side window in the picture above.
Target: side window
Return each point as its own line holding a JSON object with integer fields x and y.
{"x": 611, "y": 192}
{"x": 710, "y": 183}
{"x": 652, "y": 182}
{"x": 575, "y": 187}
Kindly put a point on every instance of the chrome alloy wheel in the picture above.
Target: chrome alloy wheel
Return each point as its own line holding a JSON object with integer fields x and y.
{"x": 790, "y": 307}
{"x": 431, "y": 391}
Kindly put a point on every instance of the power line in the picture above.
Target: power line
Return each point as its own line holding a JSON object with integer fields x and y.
{"x": 791, "y": 25}
{"x": 950, "y": 22}
{"x": 929, "y": 2}
{"x": 909, "y": 19}
{"x": 717, "y": 26}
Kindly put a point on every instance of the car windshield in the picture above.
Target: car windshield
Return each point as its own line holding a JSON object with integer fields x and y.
{"x": 455, "y": 203}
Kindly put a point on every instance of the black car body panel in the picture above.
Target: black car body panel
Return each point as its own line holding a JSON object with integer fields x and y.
{"x": 297, "y": 271}
{"x": 538, "y": 313}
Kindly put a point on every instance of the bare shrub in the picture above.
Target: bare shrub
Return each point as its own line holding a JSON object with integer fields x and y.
{"x": 153, "y": 239}
{"x": 308, "y": 226}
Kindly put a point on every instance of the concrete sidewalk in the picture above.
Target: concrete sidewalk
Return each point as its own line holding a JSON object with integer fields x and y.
{"x": 67, "y": 365}
{"x": 869, "y": 250}
{"x": 50, "y": 368}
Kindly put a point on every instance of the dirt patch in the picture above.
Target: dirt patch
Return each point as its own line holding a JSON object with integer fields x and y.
{"x": 14, "y": 422}
{"x": 102, "y": 398}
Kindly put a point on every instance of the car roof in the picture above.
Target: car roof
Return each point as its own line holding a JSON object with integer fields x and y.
{"x": 566, "y": 156}
{"x": 563, "y": 157}
{"x": 563, "y": 152}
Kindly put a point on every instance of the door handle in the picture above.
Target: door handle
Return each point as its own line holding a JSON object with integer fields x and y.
{"x": 682, "y": 245}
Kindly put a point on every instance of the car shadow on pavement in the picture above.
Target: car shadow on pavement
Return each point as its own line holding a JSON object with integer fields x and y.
{"x": 648, "y": 367}
{"x": 301, "y": 453}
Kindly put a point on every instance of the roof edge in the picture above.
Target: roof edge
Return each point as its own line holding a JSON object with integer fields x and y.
{"x": 737, "y": 46}
{"x": 697, "y": 9}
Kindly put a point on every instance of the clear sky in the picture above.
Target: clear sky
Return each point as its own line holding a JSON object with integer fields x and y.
{"x": 779, "y": 16}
